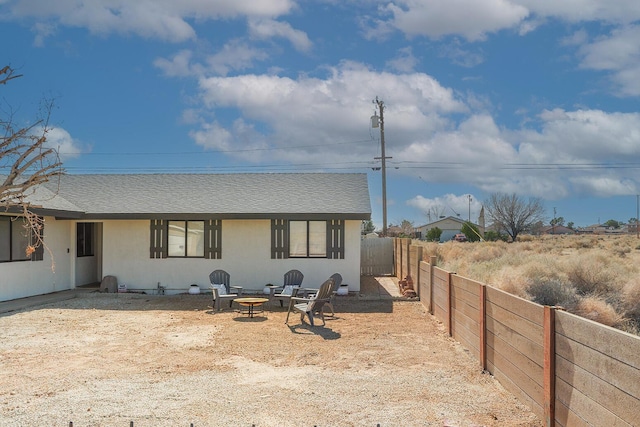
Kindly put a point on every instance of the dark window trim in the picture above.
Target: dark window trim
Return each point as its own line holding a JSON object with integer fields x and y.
{"x": 335, "y": 238}
{"x": 38, "y": 254}
{"x": 85, "y": 233}
{"x": 159, "y": 239}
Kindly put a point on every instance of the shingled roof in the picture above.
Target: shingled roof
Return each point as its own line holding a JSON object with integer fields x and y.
{"x": 253, "y": 195}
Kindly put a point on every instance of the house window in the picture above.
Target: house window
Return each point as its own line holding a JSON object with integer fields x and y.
{"x": 15, "y": 237}
{"x": 186, "y": 239}
{"x": 307, "y": 239}
{"x": 84, "y": 239}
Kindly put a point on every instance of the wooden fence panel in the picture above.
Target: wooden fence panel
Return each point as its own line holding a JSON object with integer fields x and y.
{"x": 597, "y": 373}
{"x": 376, "y": 256}
{"x": 424, "y": 285}
{"x": 515, "y": 347}
{"x": 415, "y": 256}
{"x": 398, "y": 257}
{"x": 465, "y": 314}
{"x": 569, "y": 370}
{"x": 441, "y": 294}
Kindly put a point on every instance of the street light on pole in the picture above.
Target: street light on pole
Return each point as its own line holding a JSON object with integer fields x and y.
{"x": 378, "y": 121}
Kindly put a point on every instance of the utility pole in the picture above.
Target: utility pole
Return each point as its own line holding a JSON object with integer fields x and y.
{"x": 375, "y": 122}
{"x": 554, "y": 221}
{"x": 469, "y": 196}
{"x": 637, "y": 216}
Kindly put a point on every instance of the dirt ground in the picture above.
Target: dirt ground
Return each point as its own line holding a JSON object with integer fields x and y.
{"x": 112, "y": 359}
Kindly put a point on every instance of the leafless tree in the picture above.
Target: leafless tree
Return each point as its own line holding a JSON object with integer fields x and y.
{"x": 434, "y": 213}
{"x": 512, "y": 214}
{"x": 25, "y": 163}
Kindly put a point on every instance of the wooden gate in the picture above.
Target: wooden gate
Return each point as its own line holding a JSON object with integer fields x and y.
{"x": 376, "y": 256}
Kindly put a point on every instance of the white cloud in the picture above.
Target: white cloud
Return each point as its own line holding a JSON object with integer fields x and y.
{"x": 618, "y": 53}
{"x": 61, "y": 140}
{"x": 404, "y": 62}
{"x": 178, "y": 66}
{"x": 576, "y": 39}
{"x": 461, "y": 56}
{"x": 234, "y": 56}
{"x": 616, "y": 11}
{"x": 269, "y": 28}
{"x": 161, "y": 19}
{"x": 458, "y": 206}
{"x": 317, "y": 109}
{"x": 472, "y": 19}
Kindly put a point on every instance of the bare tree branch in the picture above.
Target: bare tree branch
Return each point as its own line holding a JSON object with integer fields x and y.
{"x": 25, "y": 163}
{"x": 513, "y": 214}
{"x": 6, "y": 74}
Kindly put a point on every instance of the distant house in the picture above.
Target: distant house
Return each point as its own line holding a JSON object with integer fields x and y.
{"x": 450, "y": 226}
{"x": 558, "y": 229}
{"x": 175, "y": 229}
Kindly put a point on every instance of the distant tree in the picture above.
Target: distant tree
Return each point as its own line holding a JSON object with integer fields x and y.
{"x": 25, "y": 162}
{"x": 512, "y": 214}
{"x": 570, "y": 225}
{"x": 369, "y": 227}
{"x": 433, "y": 235}
{"x": 536, "y": 228}
{"x": 408, "y": 229}
{"x": 471, "y": 231}
{"x": 434, "y": 213}
{"x": 633, "y": 220}
{"x": 494, "y": 236}
{"x": 612, "y": 223}
{"x": 557, "y": 221}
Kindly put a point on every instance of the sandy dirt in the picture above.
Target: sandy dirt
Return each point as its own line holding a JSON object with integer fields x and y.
{"x": 110, "y": 359}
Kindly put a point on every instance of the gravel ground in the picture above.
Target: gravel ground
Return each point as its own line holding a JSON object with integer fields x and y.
{"x": 112, "y": 359}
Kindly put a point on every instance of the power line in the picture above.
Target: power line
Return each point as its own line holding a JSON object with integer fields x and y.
{"x": 244, "y": 150}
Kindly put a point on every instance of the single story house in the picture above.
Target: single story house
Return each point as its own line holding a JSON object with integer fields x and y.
{"x": 172, "y": 230}
{"x": 450, "y": 226}
{"x": 557, "y": 229}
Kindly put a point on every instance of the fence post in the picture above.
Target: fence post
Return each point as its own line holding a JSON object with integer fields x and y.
{"x": 416, "y": 268}
{"x": 449, "y": 304}
{"x": 432, "y": 263}
{"x": 483, "y": 326}
{"x": 549, "y": 366}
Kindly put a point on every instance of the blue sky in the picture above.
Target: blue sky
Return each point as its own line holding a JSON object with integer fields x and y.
{"x": 536, "y": 97}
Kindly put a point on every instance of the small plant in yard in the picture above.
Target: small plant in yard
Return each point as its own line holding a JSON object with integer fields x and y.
{"x": 589, "y": 274}
{"x": 553, "y": 293}
{"x": 598, "y": 310}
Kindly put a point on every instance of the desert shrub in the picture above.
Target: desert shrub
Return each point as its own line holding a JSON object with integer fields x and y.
{"x": 621, "y": 251}
{"x": 525, "y": 238}
{"x": 494, "y": 236}
{"x": 584, "y": 242}
{"x": 591, "y": 274}
{"x": 598, "y": 310}
{"x": 450, "y": 251}
{"x": 471, "y": 231}
{"x": 433, "y": 235}
{"x": 631, "y": 299}
{"x": 510, "y": 280}
{"x": 487, "y": 251}
{"x": 551, "y": 292}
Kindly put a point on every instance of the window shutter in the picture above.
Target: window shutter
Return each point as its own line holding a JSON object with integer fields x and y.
{"x": 335, "y": 239}
{"x": 159, "y": 238}
{"x": 213, "y": 239}
{"x": 38, "y": 254}
{"x": 279, "y": 239}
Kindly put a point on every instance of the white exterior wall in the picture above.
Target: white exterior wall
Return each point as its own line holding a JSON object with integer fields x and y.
{"x": 28, "y": 278}
{"x": 246, "y": 256}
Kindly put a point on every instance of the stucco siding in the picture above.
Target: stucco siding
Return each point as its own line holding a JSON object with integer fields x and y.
{"x": 29, "y": 278}
{"x": 246, "y": 256}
